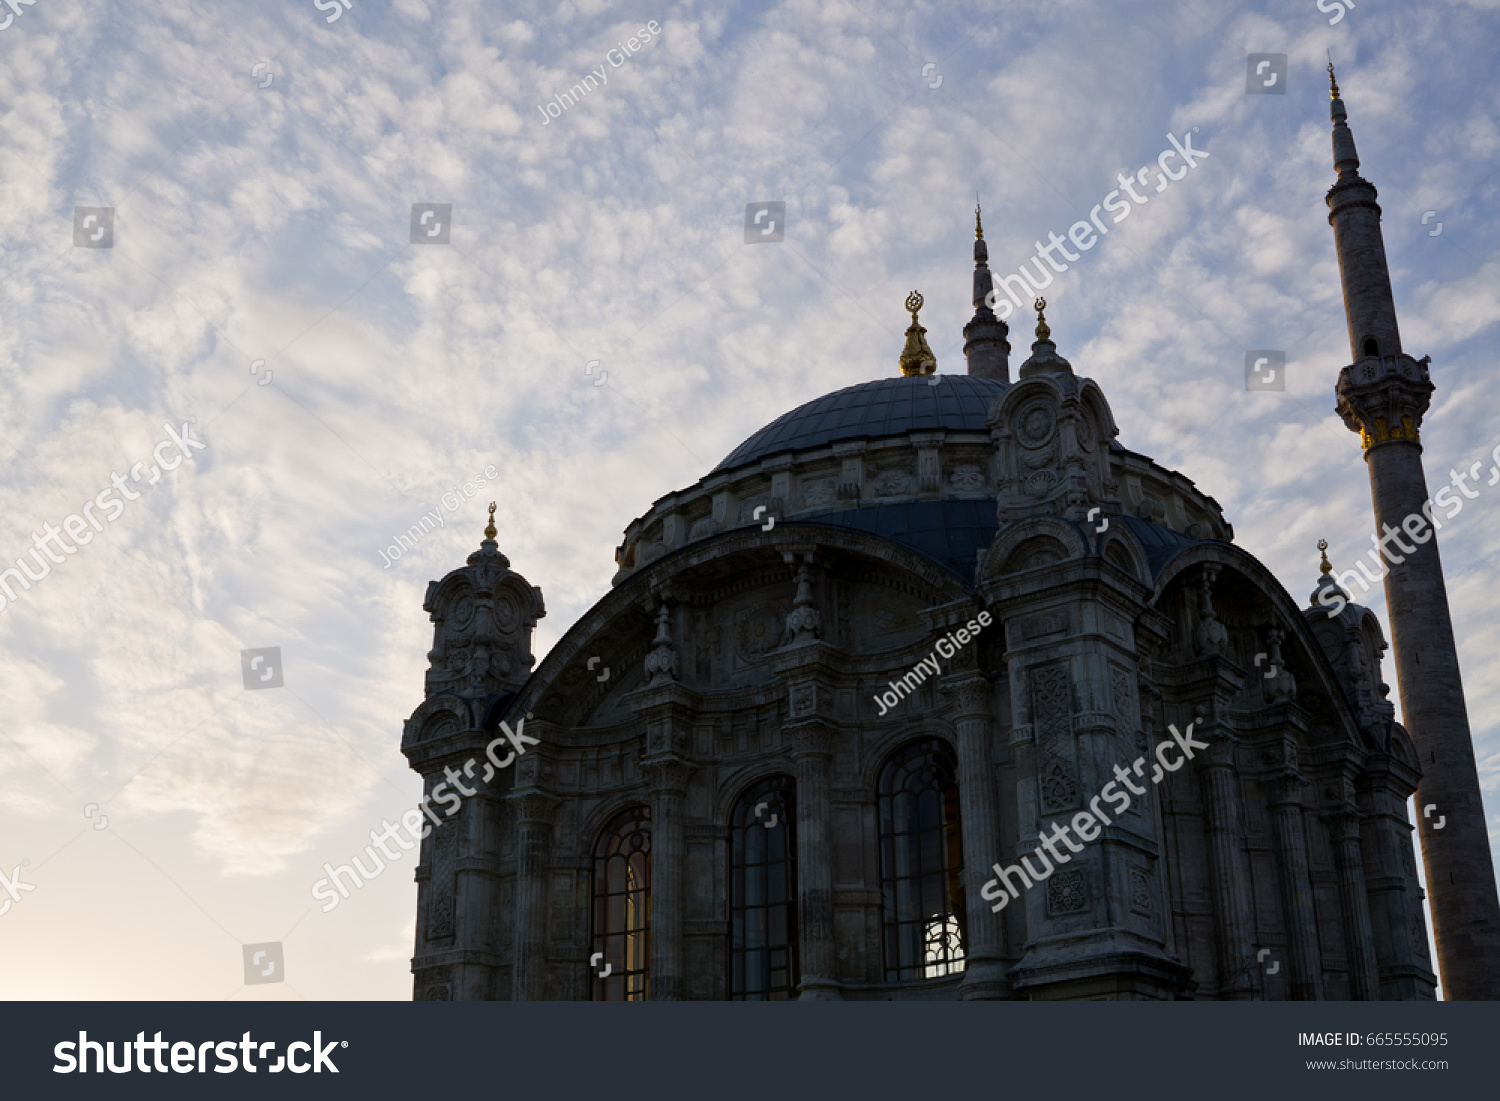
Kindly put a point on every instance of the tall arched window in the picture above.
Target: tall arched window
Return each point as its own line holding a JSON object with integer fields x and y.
{"x": 921, "y": 863}
{"x": 622, "y": 908}
{"x": 763, "y": 893}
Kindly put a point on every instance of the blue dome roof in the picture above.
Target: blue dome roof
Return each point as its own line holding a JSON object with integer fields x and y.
{"x": 885, "y": 407}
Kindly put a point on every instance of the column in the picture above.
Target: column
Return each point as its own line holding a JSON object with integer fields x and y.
{"x": 1231, "y": 894}
{"x": 669, "y": 778}
{"x": 1354, "y": 905}
{"x": 969, "y": 698}
{"x": 812, "y": 749}
{"x": 534, "y": 813}
{"x": 1296, "y": 886}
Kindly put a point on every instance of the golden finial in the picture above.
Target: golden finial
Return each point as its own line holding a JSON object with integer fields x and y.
{"x": 916, "y": 357}
{"x": 1333, "y": 85}
{"x": 489, "y": 529}
{"x": 1327, "y": 567}
{"x": 978, "y": 225}
{"x": 1043, "y": 332}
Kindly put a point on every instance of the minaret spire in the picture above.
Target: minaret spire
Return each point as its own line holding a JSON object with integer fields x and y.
{"x": 1383, "y": 395}
{"x": 985, "y": 344}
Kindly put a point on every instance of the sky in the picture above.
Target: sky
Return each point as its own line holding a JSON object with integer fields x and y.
{"x": 592, "y": 326}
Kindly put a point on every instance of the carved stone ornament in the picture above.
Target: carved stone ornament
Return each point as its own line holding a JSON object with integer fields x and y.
{"x": 1068, "y": 892}
{"x": 1209, "y": 636}
{"x": 804, "y": 623}
{"x": 661, "y": 662}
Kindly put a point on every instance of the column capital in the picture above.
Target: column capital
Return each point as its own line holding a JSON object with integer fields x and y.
{"x": 1384, "y": 397}
{"x": 809, "y": 738}
{"x": 1285, "y": 787}
{"x": 667, "y": 775}
{"x": 1343, "y": 823}
{"x": 534, "y": 807}
{"x": 969, "y": 693}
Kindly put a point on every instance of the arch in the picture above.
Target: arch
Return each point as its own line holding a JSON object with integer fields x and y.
{"x": 1123, "y": 549}
{"x": 1017, "y": 545}
{"x": 1371, "y": 346}
{"x": 761, "y": 892}
{"x": 620, "y": 907}
{"x": 1291, "y": 617}
{"x": 437, "y": 716}
{"x": 934, "y": 583}
{"x": 921, "y": 862}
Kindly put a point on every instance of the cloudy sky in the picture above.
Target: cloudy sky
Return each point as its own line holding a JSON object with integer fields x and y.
{"x": 262, "y": 287}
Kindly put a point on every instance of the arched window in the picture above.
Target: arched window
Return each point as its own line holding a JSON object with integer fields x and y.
{"x": 921, "y": 863}
{"x": 1371, "y": 347}
{"x": 763, "y": 893}
{"x": 622, "y": 908}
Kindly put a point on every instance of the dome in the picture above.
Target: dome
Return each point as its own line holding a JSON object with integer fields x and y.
{"x": 870, "y": 410}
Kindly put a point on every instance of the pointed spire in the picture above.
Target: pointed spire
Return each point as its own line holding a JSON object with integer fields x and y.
{"x": 985, "y": 344}
{"x": 916, "y": 357}
{"x": 1345, "y": 159}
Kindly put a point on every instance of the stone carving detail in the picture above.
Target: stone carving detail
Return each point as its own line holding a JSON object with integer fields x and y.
{"x": 439, "y": 726}
{"x": 1142, "y": 900}
{"x": 1059, "y": 788}
{"x": 1052, "y": 706}
{"x": 1052, "y": 715}
{"x": 1209, "y": 636}
{"x": 1034, "y": 426}
{"x": 1277, "y": 684}
{"x": 703, "y": 528}
{"x": 805, "y": 622}
{"x": 1068, "y": 892}
{"x": 437, "y": 984}
{"x": 966, "y": 479}
{"x": 820, "y": 492}
{"x": 441, "y": 885}
{"x": 758, "y": 632}
{"x": 1122, "y": 697}
{"x": 1039, "y": 483}
{"x": 661, "y": 662}
{"x": 893, "y": 482}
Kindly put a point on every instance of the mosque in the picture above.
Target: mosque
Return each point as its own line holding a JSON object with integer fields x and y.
{"x": 757, "y": 775}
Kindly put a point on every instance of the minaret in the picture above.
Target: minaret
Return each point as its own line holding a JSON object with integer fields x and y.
{"x": 985, "y": 346}
{"x": 1382, "y": 395}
